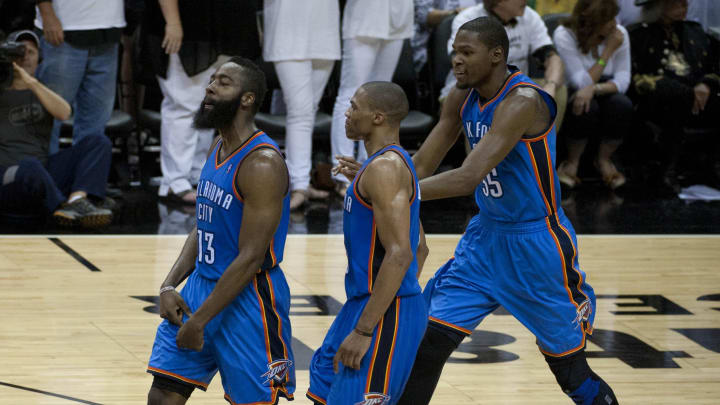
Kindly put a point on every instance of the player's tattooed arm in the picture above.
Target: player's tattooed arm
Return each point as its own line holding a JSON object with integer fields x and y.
{"x": 387, "y": 183}
{"x": 442, "y": 137}
{"x": 520, "y": 113}
{"x": 263, "y": 183}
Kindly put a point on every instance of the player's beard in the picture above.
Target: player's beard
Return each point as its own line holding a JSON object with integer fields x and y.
{"x": 220, "y": 116}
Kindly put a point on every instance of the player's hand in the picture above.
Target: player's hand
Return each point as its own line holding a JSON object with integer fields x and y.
{"x": 351, "y": 351}
{"x": 190, "y": 336}
{"x": 346, "y": 166}
{"x": 582, "y": 99}
{"x": 173, "y": 38}
{"x": 52, "y": 29}
{"x": 172, "y": 306}
{"x": 702, "y": 93}
{"x": 22, "y": 74}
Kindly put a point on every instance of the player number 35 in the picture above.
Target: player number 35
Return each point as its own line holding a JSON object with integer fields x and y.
{"x": 491, "y": 187}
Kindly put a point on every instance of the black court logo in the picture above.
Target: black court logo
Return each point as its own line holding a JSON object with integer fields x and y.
{"x": 277, "y": 371}
{"x": 375, "y": 398}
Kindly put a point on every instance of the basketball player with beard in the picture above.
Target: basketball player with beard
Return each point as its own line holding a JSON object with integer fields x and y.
{"x": 232, "y": 315}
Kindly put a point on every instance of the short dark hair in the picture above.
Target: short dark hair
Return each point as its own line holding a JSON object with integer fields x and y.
{"x": 389, "y": 98}
{"x": 253, "y": 80}
{"x": 490, "y": 31}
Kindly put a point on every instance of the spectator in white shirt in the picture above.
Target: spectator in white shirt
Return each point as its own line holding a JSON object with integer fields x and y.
{"x": 303, "y": 41}
{"x": 373, "y": 32}
{"x": 596, "y": 51}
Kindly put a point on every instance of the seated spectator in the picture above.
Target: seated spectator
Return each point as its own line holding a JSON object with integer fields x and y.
{"x": 303, "y": 41}
{"x": 64, "y": 181}
{"x": 596, "y": 51}
{"x": 428, "y": 14}
{"x": 528, "y": 38}
{"x": 675, "y": 80}
{"x": 545, "y": 7}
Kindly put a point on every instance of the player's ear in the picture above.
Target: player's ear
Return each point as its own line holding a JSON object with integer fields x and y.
{"x": 378, "y": 118}
{"x": 247, "y": 100}
{"x": 496, "y": 55}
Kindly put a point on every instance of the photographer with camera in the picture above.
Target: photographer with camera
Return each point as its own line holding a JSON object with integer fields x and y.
{"x": 28, "y": 174}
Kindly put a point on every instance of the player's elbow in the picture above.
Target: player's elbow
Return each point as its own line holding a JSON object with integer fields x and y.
{"x": 422, "y": 251}
{"x": 402, "y": 256}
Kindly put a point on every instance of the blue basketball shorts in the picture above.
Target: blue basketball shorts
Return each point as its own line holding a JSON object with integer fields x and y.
{"x": 529, "y": 268}
{"x": 386, "y": 366}
{"x": 248, "y": 342}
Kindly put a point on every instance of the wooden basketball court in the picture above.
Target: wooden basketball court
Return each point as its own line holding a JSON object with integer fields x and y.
{"x": 77, "y": 322}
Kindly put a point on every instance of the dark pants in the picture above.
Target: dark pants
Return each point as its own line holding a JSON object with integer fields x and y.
{"x": 609, "y": 118}
{"x": 83, "y": 167}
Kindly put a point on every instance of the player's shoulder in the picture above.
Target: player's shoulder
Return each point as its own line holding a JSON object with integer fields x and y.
{"x": 521, "y": 95}
{"x": 388, "y": 166}
{"x": 263, "y": 165}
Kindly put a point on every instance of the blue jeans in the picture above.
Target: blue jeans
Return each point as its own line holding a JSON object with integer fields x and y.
{"x": 85, "y": 78}
{"x": 84, "y": 167}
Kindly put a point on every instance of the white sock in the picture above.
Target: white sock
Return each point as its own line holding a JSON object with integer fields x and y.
{"x": 74, "y": 198}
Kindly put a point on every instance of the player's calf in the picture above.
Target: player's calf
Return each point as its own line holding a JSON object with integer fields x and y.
{"x": 165, "y": 391}
{"x": 579, "y": 382}
{"x": 437, "y": 345}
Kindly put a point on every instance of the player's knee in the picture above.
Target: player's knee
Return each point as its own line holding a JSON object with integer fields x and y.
{"x": 165, "y": 391}
{"x": 439, "y": 343}
{"x": 579, "y": 382}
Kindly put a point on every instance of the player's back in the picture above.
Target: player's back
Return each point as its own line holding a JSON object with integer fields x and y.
{"x": 220, "y": 210}
{"x": 364, "y": 249}
{"x": 523, "y": 187}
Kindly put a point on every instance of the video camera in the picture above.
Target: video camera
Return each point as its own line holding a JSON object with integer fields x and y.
{"x": 10, "y": 52}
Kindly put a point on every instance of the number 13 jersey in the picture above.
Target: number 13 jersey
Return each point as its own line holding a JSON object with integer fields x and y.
{"x": 523, "y": 186}
{"x": 219, "y": 211}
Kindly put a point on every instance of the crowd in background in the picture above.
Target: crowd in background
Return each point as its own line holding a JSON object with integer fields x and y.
{"x": 637, "y": 83}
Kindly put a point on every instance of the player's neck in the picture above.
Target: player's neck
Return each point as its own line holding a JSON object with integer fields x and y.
{"x": 380, "y": 140}
{"x": 494, "y": 83}
{"x": 235, "y": 135}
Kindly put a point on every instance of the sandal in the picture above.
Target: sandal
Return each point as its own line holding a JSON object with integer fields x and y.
{"x": 614, "y": 179}
{"x": 567, "y": 179}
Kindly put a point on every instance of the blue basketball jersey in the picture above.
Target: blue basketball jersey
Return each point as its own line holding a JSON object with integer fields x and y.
{"x": 220, "y": 210}
{"x": 523, "y": 187}
{"x": 364, "y": 250}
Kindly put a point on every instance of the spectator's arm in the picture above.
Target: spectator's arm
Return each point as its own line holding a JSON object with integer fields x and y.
{"x": 554, "y": 72}
{"x": 570, "y": 54}
{"x": 173, "y": 26}
{"x": 621, "y": 65}
{"x": 53, "y": 103}
{"x": 435, "y": 16}
{"x": 52, "y": 27}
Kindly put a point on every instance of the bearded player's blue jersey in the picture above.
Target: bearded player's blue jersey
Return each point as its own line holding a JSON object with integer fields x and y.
{"x": 364, "y": 250}
{"x": 523, "y": 187}
{"x": 220, "y": 210}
